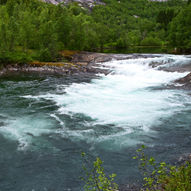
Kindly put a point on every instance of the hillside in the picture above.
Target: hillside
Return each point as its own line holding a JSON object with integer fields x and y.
{"x": 44, "y": 29}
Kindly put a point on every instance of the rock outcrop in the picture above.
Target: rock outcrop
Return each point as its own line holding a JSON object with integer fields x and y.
{"x": 82, "y": 3}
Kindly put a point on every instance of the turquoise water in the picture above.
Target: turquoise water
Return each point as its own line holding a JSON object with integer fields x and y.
{"x": 46, "y": 121}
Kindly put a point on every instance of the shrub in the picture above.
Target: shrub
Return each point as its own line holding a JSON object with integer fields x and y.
{"x": 95, "y": 178}
{"x": 160, "y": 176}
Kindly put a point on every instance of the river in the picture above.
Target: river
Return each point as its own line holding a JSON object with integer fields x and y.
{"x": 46, "y": 121}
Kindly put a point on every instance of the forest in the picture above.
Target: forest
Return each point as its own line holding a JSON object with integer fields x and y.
{"x": 33, "y": 30}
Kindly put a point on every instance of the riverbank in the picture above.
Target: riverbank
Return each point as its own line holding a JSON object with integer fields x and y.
{"x": 89, "y": 63}
{"x": 77, "y": 62}
{"x": 63, "y": 68}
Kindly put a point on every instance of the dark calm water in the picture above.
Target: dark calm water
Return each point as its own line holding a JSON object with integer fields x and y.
{"x": 46, "y": 121}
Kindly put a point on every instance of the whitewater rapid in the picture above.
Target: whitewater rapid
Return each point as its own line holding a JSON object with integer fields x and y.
{"x": 130, "y": 100}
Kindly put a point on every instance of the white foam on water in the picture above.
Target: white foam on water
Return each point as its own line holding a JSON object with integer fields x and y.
{"x": 24, "y": 129}
{"x": 123, "y": 98}
{"x": 178, "y": 60}
{"x": 57, "y": 119}
{"x": 127, "y": 99}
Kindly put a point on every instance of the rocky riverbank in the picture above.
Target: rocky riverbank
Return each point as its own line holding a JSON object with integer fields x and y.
{"x": 89, "y": 62}
{"x": 81, "y": 62}
{"x": 78, "y": 63}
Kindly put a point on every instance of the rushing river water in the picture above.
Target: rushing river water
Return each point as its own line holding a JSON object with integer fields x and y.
{"x": 46, "y": 121}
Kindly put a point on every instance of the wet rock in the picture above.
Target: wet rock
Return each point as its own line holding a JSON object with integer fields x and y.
{"x": 103, "y": 59}
{"x": 185, "y": 83}
{"x": 184, "y": 158}
{"x": 183, "y": 68}
{"x": 83, "y": 57}
{"x": 82, "y": 63}
{"x": 30, "y": 134}
{"x": 185, "y": 80}
{"x": 130, "y": 187}
{"x": 90, "y": 57}
{"x": 155, "y": 64}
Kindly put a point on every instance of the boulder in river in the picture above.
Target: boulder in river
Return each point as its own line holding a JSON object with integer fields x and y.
{"x": 185, "y": 80}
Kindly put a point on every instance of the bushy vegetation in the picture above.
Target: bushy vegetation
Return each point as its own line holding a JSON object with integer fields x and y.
{"x": 158, "y": 176}
{"x": 14, "y": 58}
{"x": 41, "y": 30}
{"x": 95, "y": 178}
{"x": 161, "y": 176}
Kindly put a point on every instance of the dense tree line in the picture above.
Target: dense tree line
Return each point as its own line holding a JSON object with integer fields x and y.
{"x": 37, "y": 30}
{"x": 180, "y": 30}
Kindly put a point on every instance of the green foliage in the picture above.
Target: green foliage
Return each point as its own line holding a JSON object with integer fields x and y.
{"x": 44, "y": 55}
{"x": 46, "y": 29}
{"x": 165, "y": 16}
{"x": 95, "y": 178}
{"x": 3, "y": 1}
{"x": 150, "y": 41}
{"x": 14, "y": 57}
{"x": 161, "y": 176}
{"x": 180, "y": 31}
